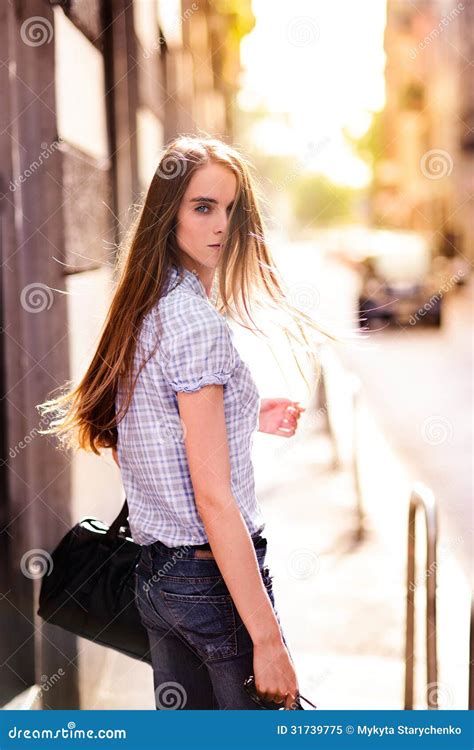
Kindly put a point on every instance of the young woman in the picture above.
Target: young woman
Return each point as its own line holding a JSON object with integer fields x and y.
{"x": 169, "y": 393}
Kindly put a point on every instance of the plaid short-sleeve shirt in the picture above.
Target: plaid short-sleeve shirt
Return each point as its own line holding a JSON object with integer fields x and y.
{"x": 195, "y": 349}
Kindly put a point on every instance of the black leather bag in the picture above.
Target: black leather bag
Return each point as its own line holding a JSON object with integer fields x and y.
{"x": 90, "y": 590}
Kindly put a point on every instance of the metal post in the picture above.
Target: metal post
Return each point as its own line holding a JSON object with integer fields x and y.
{"x": 356, "y": 393}
{"x": 323, "y": 401}
{"x": 422, "y": 498}
{"x": 471, "y": 659}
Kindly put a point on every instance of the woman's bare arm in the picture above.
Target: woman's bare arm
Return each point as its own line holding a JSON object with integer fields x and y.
{"x": 207, "y": 450}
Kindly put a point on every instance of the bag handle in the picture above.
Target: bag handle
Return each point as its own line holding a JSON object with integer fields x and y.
{"x": 120, "y": 526}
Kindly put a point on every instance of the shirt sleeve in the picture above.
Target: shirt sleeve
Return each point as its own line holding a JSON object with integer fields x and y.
{"x": 196, "y": 347}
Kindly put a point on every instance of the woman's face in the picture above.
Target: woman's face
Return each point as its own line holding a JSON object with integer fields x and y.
{"x": 203, "y": 214}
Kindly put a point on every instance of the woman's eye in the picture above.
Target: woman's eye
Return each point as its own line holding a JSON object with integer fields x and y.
{"x": 197, "y": 209}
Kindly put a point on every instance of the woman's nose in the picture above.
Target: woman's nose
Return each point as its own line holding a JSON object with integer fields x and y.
{"x": 221, "y": 223}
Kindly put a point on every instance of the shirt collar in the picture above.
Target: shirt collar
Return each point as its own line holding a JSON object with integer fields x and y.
{"x": 189, "y": 281}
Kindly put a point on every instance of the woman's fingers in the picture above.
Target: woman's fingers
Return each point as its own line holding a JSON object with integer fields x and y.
{"x": 290, "y": 701}
{"x": 289, "y": 422}
{"x": 285, "y": 431}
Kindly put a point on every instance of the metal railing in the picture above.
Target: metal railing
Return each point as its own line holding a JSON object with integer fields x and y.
{"x": 324, "y": 405}
{"x": 356, "y": 391}
{"x": 470, "y": 701}
{"x": 324, "y": 402}
{"x": 422, "y": 498}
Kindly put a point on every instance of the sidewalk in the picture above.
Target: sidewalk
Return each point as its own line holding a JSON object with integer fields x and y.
{"x": 341, "y": 602}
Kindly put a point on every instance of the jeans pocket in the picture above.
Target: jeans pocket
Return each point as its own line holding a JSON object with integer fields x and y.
{"x": 146, "y": 612}
{"x": 206, "y": 621}
{"x": 139, "y": 594}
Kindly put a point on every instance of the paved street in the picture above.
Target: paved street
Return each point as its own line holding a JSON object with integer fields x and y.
{"x": 342, "y": 602}
{"x": 418, "y": 382}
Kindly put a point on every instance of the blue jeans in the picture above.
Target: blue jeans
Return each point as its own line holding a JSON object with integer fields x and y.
{"x": 201, "y": 651}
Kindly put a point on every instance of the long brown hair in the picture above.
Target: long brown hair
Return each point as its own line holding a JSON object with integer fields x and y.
{"x": 84, "y": 416}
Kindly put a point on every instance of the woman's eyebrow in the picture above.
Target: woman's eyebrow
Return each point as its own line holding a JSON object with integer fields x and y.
{"x": 203, "y": 198}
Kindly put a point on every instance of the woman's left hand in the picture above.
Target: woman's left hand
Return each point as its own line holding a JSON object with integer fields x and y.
{"x": 279, "y": 416}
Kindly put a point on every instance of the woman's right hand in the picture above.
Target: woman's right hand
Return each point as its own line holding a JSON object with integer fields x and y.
{"x": 275, "y": 676}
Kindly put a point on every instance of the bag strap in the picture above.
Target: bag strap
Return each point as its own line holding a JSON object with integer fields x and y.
{"x": 120, "y": 522}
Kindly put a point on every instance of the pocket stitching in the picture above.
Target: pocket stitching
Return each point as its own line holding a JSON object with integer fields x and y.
{"x": 229, "y": 648}
{"x": 146, "y": 622}
{"x": 189, "y": 579}
{"x": 212, "y": 598}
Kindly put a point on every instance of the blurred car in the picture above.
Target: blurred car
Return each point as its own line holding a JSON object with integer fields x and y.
{"x": 398, "y": 281}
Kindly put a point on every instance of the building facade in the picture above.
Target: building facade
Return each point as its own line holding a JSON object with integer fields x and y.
{"x": 91, "y": 91}
{"x": 426, "y": 177}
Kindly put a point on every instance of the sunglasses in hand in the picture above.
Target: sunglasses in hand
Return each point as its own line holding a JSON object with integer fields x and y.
{"x": 249, "y": 686}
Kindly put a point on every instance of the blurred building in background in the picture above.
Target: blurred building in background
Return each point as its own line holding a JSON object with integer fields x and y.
{"x": 425, "y": 179}
{"x": 90, "y": 93}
